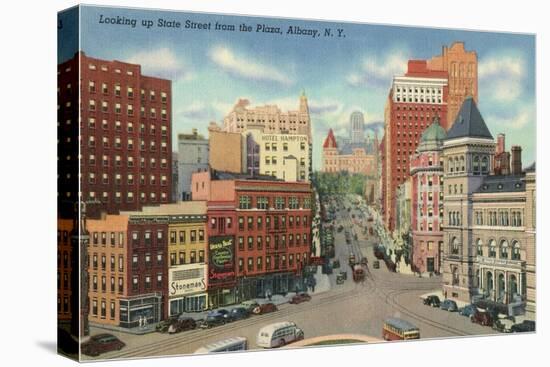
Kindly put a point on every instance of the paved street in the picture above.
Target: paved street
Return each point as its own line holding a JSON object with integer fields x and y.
{"x": 357, "y": 308}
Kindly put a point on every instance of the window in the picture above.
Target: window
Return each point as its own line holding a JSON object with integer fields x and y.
{"x": 516, "y": 251}
{"x": 279, "y": 202}
{"x": 250, "y": 264}
{"x": 259, "y": 264}
{"x": 262, "y": 202}
{"x": 245, "y": 202}
{"x": 241, "y": 223}
{"x": 503, "y": 249}
{"x": 241, "y": 243}
{"x": 241, "y": 264}
{"x": 492, "y": 249}
{"x": 484, "y": 165}
{"x": 259, "y": 223}
{"x": 250, "y": 241}
{"x": 193, "y": 235}
{"x": 250, "y": 223}
{"x": 201, "y": 235}
{"x": 454, "y": 246}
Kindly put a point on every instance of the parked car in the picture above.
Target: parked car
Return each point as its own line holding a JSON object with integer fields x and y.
{"x": 265, "y": 308}
{"x": 344, "y": 274}
{"x": 238, "y": 313}
{"x": 182, "y": 324}
{"x": 482, "y": 318}
{"x": 299, "y": 298}
{"x": 449, "y": 305}
{"x": 524, "y": 326}
{"x": 101, "y": 343}
{"x": 467, "y": 310}
{"x": 364, "y": 261}
{"x": 249, "y": 305}
{"x": 212, "y": 319}
{"x": 340, "y": 279}
{"x": 162, "y": 327}
{"x": 336, "y": 264}
{"x": 504, "y": 325}
{"x": 376, "y": 264}
{"x": 340, "y": 228}
{"x": 432, "y": 301}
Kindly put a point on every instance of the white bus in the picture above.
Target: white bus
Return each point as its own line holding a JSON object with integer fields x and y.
{"x": 278, "y": 334}
{"x": 226, "y": 345}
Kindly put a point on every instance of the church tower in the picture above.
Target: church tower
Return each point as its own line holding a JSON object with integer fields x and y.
{"x": 330, "y": 153}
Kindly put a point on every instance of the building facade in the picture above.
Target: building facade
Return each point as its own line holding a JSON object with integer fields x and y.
{"x": 426, "y": 169}
{"x": 284, "y": 156}
{"x": 271, "y": 120}
{"x": 107, "y": 268}
{"x": 467, "y": 141}
{"x": 259, "y": 234}
{"x": 125, "y": 133}
{"x": 193, "y": 156}
{"x": 359, "y": 158}
{"x": 413, "y": 102}
{"x": 187, "y": 272}
{"x": 489, "y": 230}
{"x": 461, "y": 66}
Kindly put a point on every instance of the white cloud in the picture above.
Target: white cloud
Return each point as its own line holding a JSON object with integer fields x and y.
{"x": 240, "y": 65}
{"x": 378, "y": 70}
{"x": 502, "y": 76}
{"x": 516, "y": 120}
{"x": 161, "y": 62}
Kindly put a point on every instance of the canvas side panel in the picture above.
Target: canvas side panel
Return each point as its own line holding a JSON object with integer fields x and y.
{"x": 67, "y": 183}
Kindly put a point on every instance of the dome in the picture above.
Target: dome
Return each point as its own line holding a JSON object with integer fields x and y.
{"x": 432, "y": 137}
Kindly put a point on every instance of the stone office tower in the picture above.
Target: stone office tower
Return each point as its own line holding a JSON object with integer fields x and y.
{"x": 468, "y": 155}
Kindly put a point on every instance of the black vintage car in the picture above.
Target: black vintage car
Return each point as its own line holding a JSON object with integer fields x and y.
{"x": 432, "y": 301}
{"x": 524, "y": 326}
{"x": 162, "y": 327}
{"x": 182, "y": 324}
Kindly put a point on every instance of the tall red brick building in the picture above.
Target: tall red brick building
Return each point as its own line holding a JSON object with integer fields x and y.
{"x": 125, "y": 134}
{"x": 415, "y": 99}
{"x": 411, "y": 107}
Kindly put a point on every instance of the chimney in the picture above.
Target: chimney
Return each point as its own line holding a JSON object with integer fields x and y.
{"x": 516, "y": 160}
{"x": 501, "y": 143}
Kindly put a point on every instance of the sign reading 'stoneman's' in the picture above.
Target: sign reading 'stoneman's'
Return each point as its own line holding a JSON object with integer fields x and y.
{"x": 221, "y": 257}
{"x": 186, "y": 279}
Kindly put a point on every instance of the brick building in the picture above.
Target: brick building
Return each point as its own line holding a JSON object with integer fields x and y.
{"x": 259, "y": 234}
{"x": 426, "y": 169}
{"x": 413, "y": 102}
{"x": 125, "y": 133}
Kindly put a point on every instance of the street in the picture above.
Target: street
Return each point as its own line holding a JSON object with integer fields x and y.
{"x": 358, "y": 308}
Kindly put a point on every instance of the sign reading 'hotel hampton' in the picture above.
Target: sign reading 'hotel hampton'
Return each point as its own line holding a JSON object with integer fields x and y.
{"x": 288, "y": 138}
{"x": 186, "y": 279}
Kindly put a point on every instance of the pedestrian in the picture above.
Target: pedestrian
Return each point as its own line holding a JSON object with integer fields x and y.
{"x": 140, "y": 321}
{"x": 144, "y": 322}
{"x": 445, "y": 294}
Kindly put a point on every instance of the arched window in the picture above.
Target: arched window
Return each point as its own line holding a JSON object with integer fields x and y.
{"x": 454, "y": 246}
{"x": 484, "y": 165}
{"x": 503, "y": 249}
{"x": 479, "y": 247}
{"x": 451, "y": 165}
{"x": 462, "y": 164}
{"x": 457, "y": 165}
{"x": 476, "y": 165}
{"x": 492, "y": 248}
{"x": 515, "y": 251}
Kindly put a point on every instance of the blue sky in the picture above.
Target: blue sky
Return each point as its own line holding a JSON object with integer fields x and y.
{"x": 212, "y": 69}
